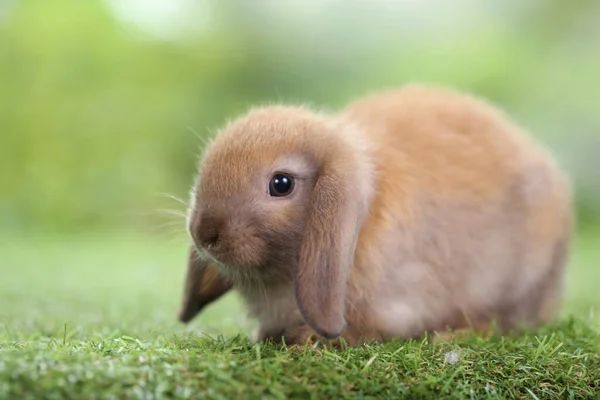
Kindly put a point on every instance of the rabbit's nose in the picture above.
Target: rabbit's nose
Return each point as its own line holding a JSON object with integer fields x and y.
{"x": 210, "y": 231}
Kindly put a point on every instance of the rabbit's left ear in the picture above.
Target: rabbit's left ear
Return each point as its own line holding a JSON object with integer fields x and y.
{"x": 327, "y": 252}
{"x": 203, "y": 285}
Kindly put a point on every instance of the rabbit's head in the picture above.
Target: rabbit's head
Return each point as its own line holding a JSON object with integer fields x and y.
{"x": 280, "y": 196}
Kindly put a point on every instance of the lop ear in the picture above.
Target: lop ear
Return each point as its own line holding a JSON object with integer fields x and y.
{"x": 203, "y": 285}
{"x": 326, "y": 253}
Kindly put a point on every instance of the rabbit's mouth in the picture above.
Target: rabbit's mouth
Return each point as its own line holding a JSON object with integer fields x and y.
{"x": 235, "y": 254}
{"x": 209, "y": 253}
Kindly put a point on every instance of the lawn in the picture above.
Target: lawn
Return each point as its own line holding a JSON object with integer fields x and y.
{"x": 94, "y": 316}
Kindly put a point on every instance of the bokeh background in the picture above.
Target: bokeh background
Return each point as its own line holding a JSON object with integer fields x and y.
{"x": 103, "y": 105}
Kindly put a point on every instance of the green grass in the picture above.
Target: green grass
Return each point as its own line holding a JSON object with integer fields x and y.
{"x": 94, "y": 316}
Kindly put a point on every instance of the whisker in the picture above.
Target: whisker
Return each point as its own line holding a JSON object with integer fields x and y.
{"x": 168, "y": 227}
{"x": 198, "y": 136}
{"x": 173, "y": 197}
{"x": 176, "y": 213}
{"x": 169, "y": 230}
{"x": 167, "y": 224}
{"x": 158, "y": 212}
{"x": 177, "y": 240}
{"x": 171, "y": 234}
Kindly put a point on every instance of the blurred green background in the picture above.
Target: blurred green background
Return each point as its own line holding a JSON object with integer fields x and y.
{"x": 102, "y": 104}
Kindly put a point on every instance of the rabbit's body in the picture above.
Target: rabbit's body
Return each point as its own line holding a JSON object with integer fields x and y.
{"x": 456, "y": 217}
{"x": 476, "y": 227}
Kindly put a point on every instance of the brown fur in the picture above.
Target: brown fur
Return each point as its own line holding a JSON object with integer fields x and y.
{"x": 415, "y": 210}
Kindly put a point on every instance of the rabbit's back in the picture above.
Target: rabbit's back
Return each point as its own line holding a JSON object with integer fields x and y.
{"x": 452, "y": 142}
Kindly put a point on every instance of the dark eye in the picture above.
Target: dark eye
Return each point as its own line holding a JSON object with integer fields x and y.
{"x": 281, "y": 185}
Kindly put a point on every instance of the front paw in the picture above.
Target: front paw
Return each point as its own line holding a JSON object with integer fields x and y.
{"x": 297, "y": 337}
{"x": 291, "y": 336}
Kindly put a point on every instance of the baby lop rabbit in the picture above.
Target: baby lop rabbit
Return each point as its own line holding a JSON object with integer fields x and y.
{"x": 415, "y": 210}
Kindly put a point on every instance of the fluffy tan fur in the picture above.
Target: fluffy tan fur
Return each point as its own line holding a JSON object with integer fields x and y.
{"x": 415, "y": 210}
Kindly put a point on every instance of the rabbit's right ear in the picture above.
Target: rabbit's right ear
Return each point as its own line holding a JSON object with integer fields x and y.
{"x": 203, "y": 285}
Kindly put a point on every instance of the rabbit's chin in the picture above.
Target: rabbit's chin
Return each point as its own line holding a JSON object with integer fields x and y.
{"x": 231, "y": 264}
{"x": 262, "y": 273}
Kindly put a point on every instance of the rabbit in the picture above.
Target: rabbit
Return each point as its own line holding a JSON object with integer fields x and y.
{"x": 414, "y": 210}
